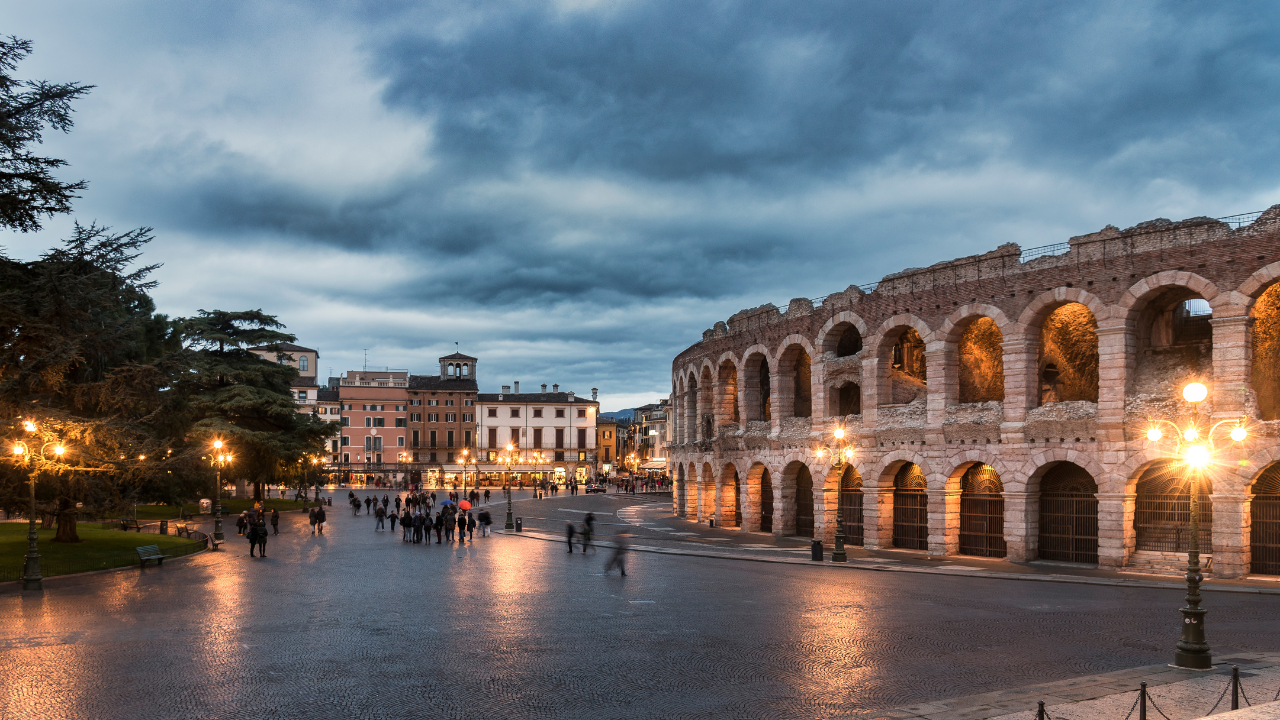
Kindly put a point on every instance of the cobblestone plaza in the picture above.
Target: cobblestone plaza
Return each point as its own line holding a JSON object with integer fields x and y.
{"x": 358, "y": 624}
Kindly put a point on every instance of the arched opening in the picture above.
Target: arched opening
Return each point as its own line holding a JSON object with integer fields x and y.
{"x": 1068, "y": 368}
{"x": 1174, "y": 343}
{"x": 730, "y": 502}
{"x": 804, "y": 502}
{"x": 981, "y": 361}
{"x": 304, "y": 364}
{"x": 1068, "y": 515}
{"x": 766, "y": 502}
{"x": 466, "y": 370}
{"x": 1162, "y": 512}
{"x": 910, "y": 508}
{"x": 728, "y": 376}
{"x": 449, "y": 370}
{"x": 1266, "y": 353}
{"x": 756, "y": 388}
{"x": 907, "y": 377}
{"x": 680, "y": 494}
{"x": 981, "y": 512}
{"x": 707, "y": 406}
{"x": 693, "y": 411}
{"x": 843, "y": 340}
{"x": 1264, "y": 527}
{"x": 848, "y": 399}
{"x": 707, "y": 493}
{"x": 851, "y": 506}
{"x": 797, "y": 379}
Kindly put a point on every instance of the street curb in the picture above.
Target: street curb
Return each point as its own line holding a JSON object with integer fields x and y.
{"x": 5, "y": 585}
{"x": 982, "y": 574}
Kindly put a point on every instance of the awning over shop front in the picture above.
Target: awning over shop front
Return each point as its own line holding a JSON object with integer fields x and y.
{"x": 654, "y": 465}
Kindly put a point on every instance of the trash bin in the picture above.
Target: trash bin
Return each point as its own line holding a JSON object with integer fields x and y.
{"x": 711, "y": 522}
{"x": 164, "y": 527}
{"x": 519, "y": 524}
{"x": 816, "y": 550}
{"x": 329, "y": 502}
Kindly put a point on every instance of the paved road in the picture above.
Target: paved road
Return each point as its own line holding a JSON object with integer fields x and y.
{"x": 357, "y": 624}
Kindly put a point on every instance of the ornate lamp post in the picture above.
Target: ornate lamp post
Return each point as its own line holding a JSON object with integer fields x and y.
{"x": 508, "y": 460}
{"x": 1196, "y": 449}
{"x": 219, "y": 460}
{"x": 536, "y": 459}
{"x": 31, "y": 577}
{"x": 841, "y": 453}
{"x": 633, "y": 465}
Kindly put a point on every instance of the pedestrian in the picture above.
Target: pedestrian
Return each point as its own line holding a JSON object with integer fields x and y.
{"x": 381, "y": 514}
{"x": 406, "y": 525}
{"x": 311, "y": 518}
{"x": 588, "y": 529}
{"x": 393, "y": 517}
{"x": 320, "y": 518}
{"x": 486, "y": 490}
{"x": 385, "y": 501}
{"x": 570, "y": 531}
{"x": 252, "y": 536}
{"x": 261, "y": 527}
{"x": 485, "y": 521}
{"x": 471, "y": 527}
{"x": 397, "y": 504}
{"x": 275, "y": 521}
{"x": 462, "y": 527}
{"x": 367, "y": 502}
{"x": 439, "y": 525}
{"x": 418, "y": 524}
{"x": 448, "y": 524}
{"x": 618, "y": 559}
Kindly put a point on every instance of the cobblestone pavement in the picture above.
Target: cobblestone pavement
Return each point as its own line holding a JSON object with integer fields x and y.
{"x": 358, "y": 624}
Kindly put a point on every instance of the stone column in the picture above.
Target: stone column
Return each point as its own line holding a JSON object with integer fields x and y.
{"x": 870, "y": 382}
{"x": 818, "y": 392}
{"x": 877, "y": 517}
{"x": 938, "y": 390}
{"x": 944, "y": 522}
{"x": 1021, "y": 388}
{"x": 1116, "y": 537}
{"x": 784, "y": 505}
{"x": 825, "y": 498}
{"x": 1232, "y": 358}
{"x": 1231, "y": 525}
{"x": 1115, "y": 365}
{"x": 1021, "y": 525}
{"x": 750, "y": 504}
{"x": 748, "y": 400}
{"x": 777, "y": 391}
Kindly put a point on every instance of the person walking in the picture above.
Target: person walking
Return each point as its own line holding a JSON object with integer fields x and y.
{"x": 312, "y": 514}
{"x": 486, "y": 496}
{"x": 448, "y": 524}
{"x": 320, "y": 518}
{"x": 261, "y": 527}
{"x": 380, "y": 513}
{"x": 570, "y": 531}
{"x": 471, "y": 527}
{"x": 240, "y": 523}
{"x": 462, "y": 526}
{"x": 252, "y": 536}
{"x": 275, "y": 521}
{"x": 618, "y": 559}
{"x": 397, "y": 504}
{"x": 485, "y": 521}
{"x": 439, "y": 525}
{"x": 385, "y": 501}
{"x": 588, "y": 529}
{"x": 368, "y": 501}
{"x": 393, "y": 517}
{"x": 417, "y": 528}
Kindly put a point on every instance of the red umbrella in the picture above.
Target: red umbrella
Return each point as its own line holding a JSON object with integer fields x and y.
{"x": 465, "y": 505}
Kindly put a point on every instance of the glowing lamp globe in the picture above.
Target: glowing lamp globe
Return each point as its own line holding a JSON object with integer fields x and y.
{"x": 1154, "y": 434}
{"x": 1190, "y": 434}
{"x": 59, "y": 450}
{"x": 839, "y": 433}
{"x": 1197, "y": 456}
{"x": 18, "y": 450}
{"x": 1239, "y": 434}
{"x": 217, "y": 444}
{"x": 1195, "y": 392}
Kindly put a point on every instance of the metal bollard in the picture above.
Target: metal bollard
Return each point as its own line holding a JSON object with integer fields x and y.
{"x": 711, "y": 522}
{"x": 1235, "y": 687}
{"x": 519, "y": 524}
{"x": 1040, "y": 711}
{"x": 816, "y": 550}
{"x": 1142, "y": 702}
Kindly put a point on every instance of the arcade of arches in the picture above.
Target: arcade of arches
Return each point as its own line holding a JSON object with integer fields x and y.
{"x": 999, "y": 408}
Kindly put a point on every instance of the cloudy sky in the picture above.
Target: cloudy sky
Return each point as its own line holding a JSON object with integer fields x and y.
{"x": 574, "y": 190}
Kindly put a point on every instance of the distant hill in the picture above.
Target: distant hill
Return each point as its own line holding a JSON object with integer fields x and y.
{"x": 620, "y": 415}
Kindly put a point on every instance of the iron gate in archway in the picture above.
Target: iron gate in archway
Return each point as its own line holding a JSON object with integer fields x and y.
{"x": 1068, "y": 515}
{"x": 1162, "y": 510}
{"x": 851, "y": 506}
{"x": 766, "y": 502}
{"x": 804, "y": 502}
{"x": 1264, "y": 528}
{"x": 981, "y": 512}
{"x": 910, "y": 509}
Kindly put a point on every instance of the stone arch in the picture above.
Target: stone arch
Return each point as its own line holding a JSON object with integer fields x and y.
{"x": 692, "y": 409}
{"x": 1034, "y": 468}
{"x": 795, "y": 369}
{"x": 706, "y": 493}
{"x": 963, "y": 461}
{"x": 757, "y": 389}
{"x": 1161, "y": 508}
{"x": 844, "y": 398}
{"x": 1062, "y": 513}
{"x": 979, "y": 528}
{"x": 1067, "y": 368}
{"x": 796, "y": 482}
{"x": 1169, "y": 336}
{"x": 1259, "y": 280}
{"x": 891, "y": 462}
{"x": 679, "y": 495}
{"x": 1034, "y": 314}
{"x": 978, "y": 362}
{"x": 727, "y": 410}
{"x": 1264, "y": 522}
{"x": 850, "y": 505}
{"x": 1264, "y": 337}
{"x": 837, "y": 334}
{"x": 706, "y": 403}
{"x": 759, "y": 508}
{"x": 729, "y": 503}
{"x": 907, "y": 382}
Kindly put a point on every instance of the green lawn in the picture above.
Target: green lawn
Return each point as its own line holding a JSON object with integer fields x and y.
{"x": 100, "y": 549}
{"x": 229, "y": 507}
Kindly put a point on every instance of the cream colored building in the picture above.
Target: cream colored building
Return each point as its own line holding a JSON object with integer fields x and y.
{"x": 559, "y": 428}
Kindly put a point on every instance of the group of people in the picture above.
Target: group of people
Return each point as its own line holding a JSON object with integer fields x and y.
{"x": 253, "y": 525}
{"x": 414, "y": 513}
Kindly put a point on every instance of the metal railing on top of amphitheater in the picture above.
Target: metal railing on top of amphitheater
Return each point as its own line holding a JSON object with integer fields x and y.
{"x": 1234, "y": 221}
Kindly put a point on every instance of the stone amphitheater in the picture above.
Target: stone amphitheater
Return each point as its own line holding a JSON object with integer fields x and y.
{"x": 1001, "y": 405}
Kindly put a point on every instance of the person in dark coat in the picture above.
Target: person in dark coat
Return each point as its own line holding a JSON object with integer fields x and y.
{"x": 619, "y": 554}
{"x": 261, "y": 527}
{"x": 381, "y": 514}
{"x": 240, "y": 523}
{"x": 252, "y": 536}
{"x": 393, "y": 517}
{"x": 418, "y": 523}
{"x": 570, "y": 531}
{"x": 397, "y": 504}
{"x": 320, "y": 518}
{"x": 439, "y": 523}
{"x": 406, "y": 525}
{"x": 367, "y": 502}
{"x": 588, "y": 529}
{"x": 462, "y": 527}
{"x": 312, "y": 517}
{"x": 485, "y": 521}
{"x": 275, "y": 521}
{"x": 471, "y": 527}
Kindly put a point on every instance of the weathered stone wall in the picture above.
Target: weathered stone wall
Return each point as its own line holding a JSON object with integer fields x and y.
{"x": 1108, "y": 294}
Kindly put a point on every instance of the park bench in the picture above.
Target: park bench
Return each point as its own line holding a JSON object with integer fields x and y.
{"x": 126, "y": 524}
{"x": 150, "y": 552}
{"x": 182, "y": 529}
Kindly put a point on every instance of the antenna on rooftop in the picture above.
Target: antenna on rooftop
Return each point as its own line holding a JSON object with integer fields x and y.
{"x": 366, "y": 358}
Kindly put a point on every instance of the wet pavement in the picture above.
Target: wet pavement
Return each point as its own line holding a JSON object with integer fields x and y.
{"x": 358, "y": 624}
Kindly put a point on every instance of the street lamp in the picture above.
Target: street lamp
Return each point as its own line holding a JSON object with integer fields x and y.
{"x": 31, "y": 577}
{"x": 537, "y": 459}
{"x": 633, "y": 465}
{"x": 1196, "y": 450}
{"x": 841, "y": 453}
{"x": 219, "y": 460}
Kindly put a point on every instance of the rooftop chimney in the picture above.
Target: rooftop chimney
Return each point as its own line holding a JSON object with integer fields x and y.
{"x": 555, "y": 388}
{"x": 517, "y": 387}
{"x": 593, "y": 394}
{"x": 571, "y": 396}
{"x": 506, "y": 389}
{"x": 544, "y": 387}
